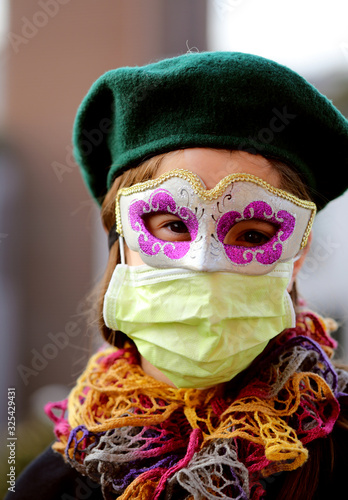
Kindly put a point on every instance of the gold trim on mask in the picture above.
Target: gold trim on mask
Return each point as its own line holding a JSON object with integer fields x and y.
{"x": 212, "y": 194}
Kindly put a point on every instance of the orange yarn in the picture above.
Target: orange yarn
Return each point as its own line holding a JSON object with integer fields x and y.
{"x": 143, "y": 437}
{"x": 111, "y": 397}
{"x": 123, "y": 395}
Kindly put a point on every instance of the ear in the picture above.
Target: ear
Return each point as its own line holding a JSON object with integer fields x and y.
{"x": 299, "y": 262}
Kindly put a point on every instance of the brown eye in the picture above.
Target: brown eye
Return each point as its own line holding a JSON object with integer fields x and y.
{"x": 250, "y": 233}
{"x": 252, "y": 238}
{"x": 177, "y": 227}
{"x": 166, "y": 227}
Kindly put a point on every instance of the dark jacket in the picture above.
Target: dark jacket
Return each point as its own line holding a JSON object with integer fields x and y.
{"x": 50, "y": 478}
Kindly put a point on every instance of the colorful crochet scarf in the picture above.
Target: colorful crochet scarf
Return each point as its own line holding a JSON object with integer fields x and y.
{"x": 140, "y": 438}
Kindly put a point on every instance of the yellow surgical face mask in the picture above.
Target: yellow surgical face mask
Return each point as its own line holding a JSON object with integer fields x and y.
{"x": 199, "y": 328}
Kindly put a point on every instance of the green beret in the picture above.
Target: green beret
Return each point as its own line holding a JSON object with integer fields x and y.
{"x": 224, "y": 100}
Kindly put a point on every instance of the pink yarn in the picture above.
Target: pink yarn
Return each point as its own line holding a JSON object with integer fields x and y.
{"x": 195, "y": 441}
{"x": 61, "y": 426}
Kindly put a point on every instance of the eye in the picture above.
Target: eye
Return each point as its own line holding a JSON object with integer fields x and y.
{"x": 252, "y": 238}
{"x": 166, "y": 227}
{"x": 177, "y": 226}
{"x": 250, "y": 233}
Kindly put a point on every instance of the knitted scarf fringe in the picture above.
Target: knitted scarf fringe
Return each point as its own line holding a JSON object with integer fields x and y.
{"x": 140, "y": 438}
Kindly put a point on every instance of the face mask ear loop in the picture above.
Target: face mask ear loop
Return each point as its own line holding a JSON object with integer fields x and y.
{"x": 298, "y": 256}
{"x": 121, "y": 246}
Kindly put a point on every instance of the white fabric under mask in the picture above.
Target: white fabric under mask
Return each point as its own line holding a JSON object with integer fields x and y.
{"x": 199, "y": 329}
{"x": 209, "y": 215}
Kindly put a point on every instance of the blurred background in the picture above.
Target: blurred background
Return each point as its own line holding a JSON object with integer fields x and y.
{"x": 52, "y": 247}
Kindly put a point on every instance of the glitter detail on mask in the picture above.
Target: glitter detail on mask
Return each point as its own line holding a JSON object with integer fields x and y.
{"x": 184, "y": 190}
{"x": 269, "y": 252}
{"x": 162, "y": 201}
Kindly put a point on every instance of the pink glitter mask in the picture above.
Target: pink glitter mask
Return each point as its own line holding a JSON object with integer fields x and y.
{"x": 209, "y": 215}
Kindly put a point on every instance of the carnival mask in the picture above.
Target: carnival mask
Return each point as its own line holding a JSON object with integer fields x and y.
{"x": 209, "y": 215}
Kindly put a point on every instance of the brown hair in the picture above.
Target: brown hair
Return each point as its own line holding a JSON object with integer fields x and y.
{"x": 144, "y": 172}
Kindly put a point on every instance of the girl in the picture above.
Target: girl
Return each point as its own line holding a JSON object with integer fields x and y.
{"x": 216, "y": 382}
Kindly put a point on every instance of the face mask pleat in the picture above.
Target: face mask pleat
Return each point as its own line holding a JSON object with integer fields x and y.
{"x": 199, "y": 329}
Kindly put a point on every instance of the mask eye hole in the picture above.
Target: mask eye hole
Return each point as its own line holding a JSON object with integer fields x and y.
{"x": 250, "y": 233}
{"x": 166, "y": 226}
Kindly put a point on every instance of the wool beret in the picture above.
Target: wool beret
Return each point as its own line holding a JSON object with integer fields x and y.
{"x": 226, "y": 100}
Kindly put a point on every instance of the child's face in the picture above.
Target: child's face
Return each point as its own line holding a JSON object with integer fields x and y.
{"x": 147, "y": 218}
{"x": 211, "y": 166}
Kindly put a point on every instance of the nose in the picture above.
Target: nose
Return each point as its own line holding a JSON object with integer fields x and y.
{"x": 204, "y": 254}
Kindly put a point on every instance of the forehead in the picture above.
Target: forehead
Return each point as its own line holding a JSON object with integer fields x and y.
{"x": 214, "y": 165}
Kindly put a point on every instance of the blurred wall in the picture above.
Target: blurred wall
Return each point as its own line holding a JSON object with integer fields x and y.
{"x": 323, "y": 278}
{"x": 56, "y": 49}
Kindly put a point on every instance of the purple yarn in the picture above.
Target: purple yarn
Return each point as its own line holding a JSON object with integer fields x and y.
{"x": 85, "y": 434}
{"x": 121, "y": 484}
